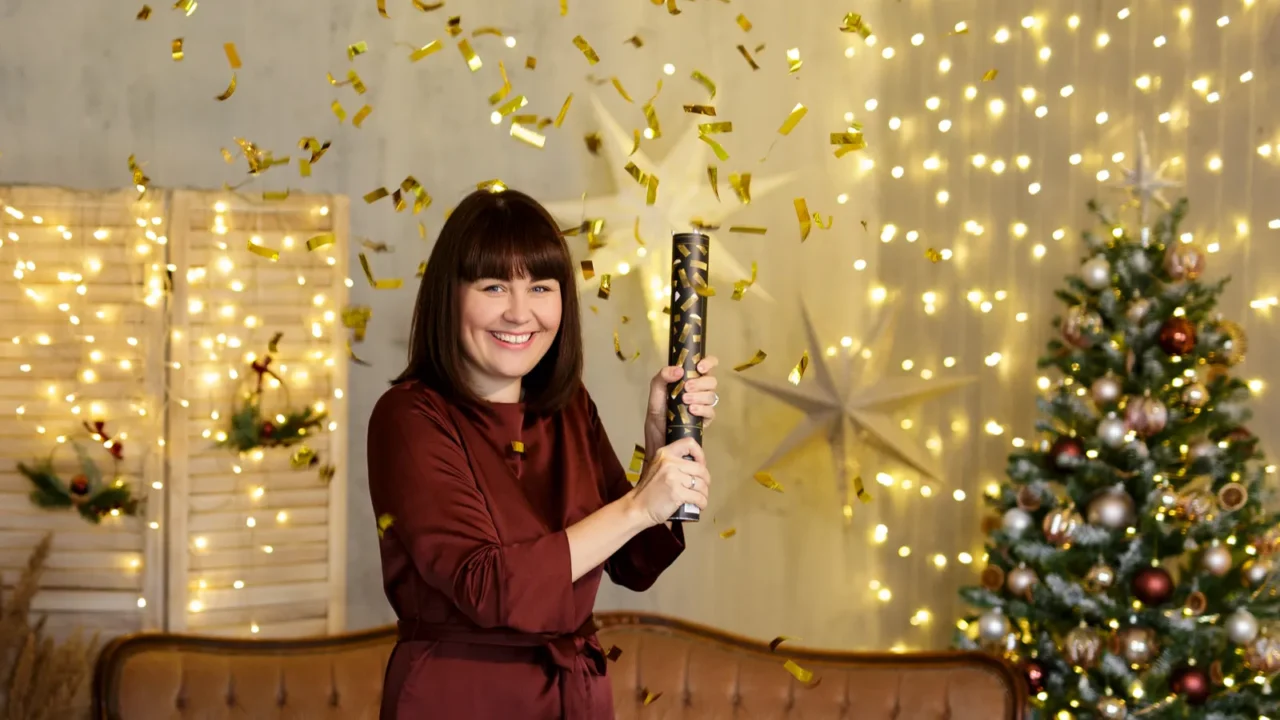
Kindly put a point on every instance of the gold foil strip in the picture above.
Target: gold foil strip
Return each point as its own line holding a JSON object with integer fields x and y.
{"x": 428, "y": 49}
{"x": 275, "y": 195}
{"x": 635, "y": 231}
{"x": 512, "y": 105}
{"x": 527, "y": 136}
{"x": 716, "y": 147}
{"x": 266, "y": 252}
{"x": 517, "y": 446}
{"x": 806, "y": 677}
{"x": 361, "y": 114}
{"x": 743, "y": 22}
{"x": 635, "y": 41}
{"x": 740, "y": 286}
{"x": 564, "y": 8}
{"x": 186, "y": 6}
{"x": 385, "y": 521}
{"x": 932, "y": 255}
{"x": 428, "y": 7}
{"x": 701, "y": 287}
{"x": 503, "y": 91}
{"x": 754, "y": 361}
{"x": 531, "y": 63}
{"x": 741, "y": 185}
{"x": 231, "y": 90}
{"x": 650, "y": 697}
{"x": 617, "y": 349}
{"x": 382, "y": 9}
{"x": 651, "y": 118}
{"x": 793, "y": 60}
{"x": 617, "y": 84}
{"x": 726, "y": 534}
{"x": 321, "y": 240}
{"x": 636, "y": 145}
{"x": 853, "y": 24}
{"x": 588, "y": 269}
{"x": 587, "y": 51}
{"x": 748, "y": 229}
{"x": 176, "y": 49}
{"x": 233, "y": 57}
{"x": 802, "y": 214}
{"x": 990, "y": 75}
{"x": 495, "y": 185}
{"x": 356, "y": 318}
{"x": 637, "y": 458}
{"x": 750, "y": 61}
{"x": 817, "y": 219}
{"x": 797, "y": 114}
{"x": 766, "y": 480}
{"x": 453, "y": 26}
{"x": 671, "y": 8}
{"x": 144, "y": 13}
{"x": 635, "y": 172}
{"x": 378, "y": 247}
{"x": 709, "y": 110}
{"x": 564, "y": 110}
{"x": 422, "y": 266}
{"x": 860, "y": 490}
{"x": 797, "y": 372}
{"x": 774, "y": 643}
{"x": 468, "y": 54}
{"x": 705, "y": 82}
{"x": 351, "y": 353}
{"x": 486, "y": 30}
{"x": 651, "y": 190}
{"x": 383, "y": 284}
{"x": 606, "y": 286}
{"x": 713, "y": 177}
{"x": 356, "y": 49}
{"x": 338, "y": 111}
{"x": 140, "y": 178}
{"x": 715, "y": 127}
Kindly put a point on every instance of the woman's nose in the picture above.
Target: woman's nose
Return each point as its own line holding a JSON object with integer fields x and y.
{"x": 517, "y": 308}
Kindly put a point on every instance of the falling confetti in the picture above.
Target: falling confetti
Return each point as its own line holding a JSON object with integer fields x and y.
{"x": 797, "y": 372}
{"x": 766, "y": 480}
{"x": 806, "y": 677}
{"x": 385, "y": 521}
{"x": 726, "y": 534}
{"x": 425, "y": 50}
{"x": 754, "y": 361}
{"x": 802, "y": 215}
{"x": 933, "y": 255}
{"x": 990, "y": 75}
{"x": 773, "y": 644}
{"x": 587, "y": 51}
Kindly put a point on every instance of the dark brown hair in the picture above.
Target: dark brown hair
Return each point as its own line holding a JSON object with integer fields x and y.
{"x": 501, "y": 235}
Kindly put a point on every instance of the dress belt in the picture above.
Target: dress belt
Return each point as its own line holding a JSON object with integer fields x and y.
{"x": 577, "y": 656}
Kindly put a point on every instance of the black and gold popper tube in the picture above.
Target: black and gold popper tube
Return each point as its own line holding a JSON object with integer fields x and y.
{"x": 689, "y": 283}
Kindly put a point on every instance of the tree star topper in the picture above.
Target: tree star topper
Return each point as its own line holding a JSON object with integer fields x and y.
{"x": 1145, "y": 182}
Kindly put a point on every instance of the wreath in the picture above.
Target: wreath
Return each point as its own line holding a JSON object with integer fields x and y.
{"x": 251, "y": 429}
{"x": 92, "y": 495}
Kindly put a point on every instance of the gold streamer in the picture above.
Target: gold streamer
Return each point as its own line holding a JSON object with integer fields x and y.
{"x": 705, "y": 82}
{"x": 233, "y": 57}
{"x": 361, "y": 114}
{"x": 715, "y": 127}
{"x": 564, "y": 110}
{"x": 321, "y": 240}
{"x": 700, "y": 110}
{"x": 617, "y": 84}
{"x": 750, "y": 61}
{"x": 265, "y": 252}
{"x": 740, "y": 286}
{"x": 487, "y": 30}
{"x": 713, "y": 176}
{"x": 636, "y": 232}
{"x": 424, "y": 7}
{"x": 587, "y": 51}
{"x": 797, "y": 114}
{"x": 802, "y": 214}
{"x": 231, "y": 89}
{"x": 749, "y": 229}
{"x": 797, "y": 372}
{"x": 741, "y": 185}
{"x": 468, "y": 54}
{"x": 754, "y": 361}
{"x": 384, "y": 284}
{"x": 715, "y": 147}
{"x": 617, "y": 349}
{"x": 766, "y": 480}
{"x": 425, "y": 50}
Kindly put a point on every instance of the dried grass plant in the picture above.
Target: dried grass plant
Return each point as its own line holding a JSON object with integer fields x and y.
{"x": 39, "y": 679}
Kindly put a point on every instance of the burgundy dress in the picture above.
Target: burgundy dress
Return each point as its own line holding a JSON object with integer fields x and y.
{"x": 475, "y": 560}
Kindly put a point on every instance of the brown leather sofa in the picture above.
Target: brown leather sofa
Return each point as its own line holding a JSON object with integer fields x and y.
{"x": 698, "y": 671}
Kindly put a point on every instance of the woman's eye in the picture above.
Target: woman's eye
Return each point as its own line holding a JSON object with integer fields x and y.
{"x": 493, "y": 288}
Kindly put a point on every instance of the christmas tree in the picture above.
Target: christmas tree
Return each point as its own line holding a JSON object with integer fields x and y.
{"x": 1130, "y": 557}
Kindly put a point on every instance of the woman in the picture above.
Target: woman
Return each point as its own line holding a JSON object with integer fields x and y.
{"x": 498, "y": 494}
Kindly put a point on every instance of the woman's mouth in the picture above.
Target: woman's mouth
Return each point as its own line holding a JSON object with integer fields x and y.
{"x": 512, "y": 341}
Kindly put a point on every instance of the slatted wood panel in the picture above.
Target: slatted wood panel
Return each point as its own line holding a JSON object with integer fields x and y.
{"x": 257, "y": 547}
{"x": 82, "y": 293}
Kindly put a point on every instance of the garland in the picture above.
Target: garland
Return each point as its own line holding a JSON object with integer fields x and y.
{"x": 87, "y": 491}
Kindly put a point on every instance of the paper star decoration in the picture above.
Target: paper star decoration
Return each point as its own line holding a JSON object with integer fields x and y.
{"x": 1145, "y": 182}
{"x": 684, "y": 193}
{"x": 853, "y": 410}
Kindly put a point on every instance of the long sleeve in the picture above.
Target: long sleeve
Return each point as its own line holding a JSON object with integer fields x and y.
{"x": 636, "y": 565}
{"x": 419, "y": 475}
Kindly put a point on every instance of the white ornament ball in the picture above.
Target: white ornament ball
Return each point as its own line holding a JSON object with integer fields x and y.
{"x": 993, "y": 626}
{"x": 1112, "y": 509}
{"x": 1112, "y": 430}
{"x": 1106, "y": 389}
{"x": 1020, "y": 580}
{"x": 1016, "y": 521}
{"x": 1096, "y": 273}
{"x": 1216, "y": 559}
{"x": 1242, "y": 627}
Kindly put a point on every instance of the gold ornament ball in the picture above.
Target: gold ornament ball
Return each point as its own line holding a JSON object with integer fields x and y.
{"x": 1263, "y": 654}
{"x": 1021, "y": 580}
{"x": 1195, "y": 395}
{"x": 1112, "y": 708}
{"x": 1082, "y": 647}
{"x": 1137, "y": 644}
{"x": 1079, "y": 325}
{"x": 1216, "y": 559}
{"x": 1111, "y": 509}
{"x": 1195, "y": 505}
{"x": 1146, "y": 415}
{"x": 1100, "y": 578}
{"x": 1106, "y": 389}
{"x": 1060, "y": 526}
{"x": 1256, "y": 571}
{"x": 1183, "y": 262}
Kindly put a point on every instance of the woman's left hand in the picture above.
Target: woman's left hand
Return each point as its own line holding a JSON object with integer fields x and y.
{"x": 698, "y": 393}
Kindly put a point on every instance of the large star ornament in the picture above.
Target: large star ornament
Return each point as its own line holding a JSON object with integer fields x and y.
{"x": 851, "y": 406}
{"x": 684, "y": 194}
{"x": 1145, "y": 182}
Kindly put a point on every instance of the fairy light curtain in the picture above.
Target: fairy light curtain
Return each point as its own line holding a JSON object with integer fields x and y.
{"x": 134, "y": 325}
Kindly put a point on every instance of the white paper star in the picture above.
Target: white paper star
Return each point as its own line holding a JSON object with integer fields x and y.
{"x": 1145, "y": 182}
{"x": 684, "y": 193}
{"x": 853, "y": 411}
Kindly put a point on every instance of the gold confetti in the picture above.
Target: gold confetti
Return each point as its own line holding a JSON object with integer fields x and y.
{"x": 606, "y": 287}
{"x": 453, "y": 26}
{"x": 637, "y": 458}
{"x": 715, "y": 147}
{"x": 487, "y": 30}
{"x": 357, "y": 318}
{"x": 355, "y": 49}
{"x": 802, "y": 214}
{"x": 564, "y": 110}
{"x": 473, "y": 60}
{"x": 847, "y": 142}
{"x": 527, "y": 136}
{"x": 748, "y": 229}
{"x": 797, "y": 372}
{"x": 384, "y": 284}
{"x": 587, "y": 51}
{"x": 636, "y": 232}
{"x": 266, "y": 252}
{"x": 319, "y": 241}
{"x": 617, "y": 84}
{"x": 564, "y": 8}
{"x": 139, "y": 178}
{"x": 754, "y": 361}
{"x": 361, "y": 114}
{"x": 649, "y": 697}
{"x": 959, "y": 30}
{"x": 275, "y": 195}
{"x": 740, "y": 286}
{"x": 422, "y": 266}
{"x": 990, "y": 75}
{"x": 227, "y": 156}
{"x": 793, "y": 60}
{"x": 774, "y": 643}
{"x": 804, "y": 676}
{"x": 617, "y": 348}
{"x": 338, "y": 111}
{"x": 853, "y": 24}
{"x": 671, "y": 7}
{"x": 726, "y": 534}
{"x": 651, "y": 191}
{"x": 864, "y": 225}
{"x": 517, "y": 446}
{"x": 233, "y": 57}
{"x": 512, "y": 105}
{"x": 356, "y": 358}
{"x": 144, "y": 13}
{"x": 187, "y": 6}
{"x": 380, "y": 247}
{"x": 593, "y": 142}
{"x": 797, "y": 114}
{"x": 385, "y": 521}
{"x": 817, "y": 219}
{"x": 713, "y": 176}
{"x": 531, "y": 63}
{"x": 424, "y": 7}
{"x": 741, "y": 185}
{"x": 494, "y": 186}
{"x": 231, "y": 89}
{"x": 422, "y": 233}
{"x": 766, "y": 479}
{"x": 933, "y": 255}
{"x": 503, "y": 91}
{"x": 636, "y": 145}
{"x": 425, "y": 50}
{"x": 700, "y": 110}
{"x": 635, "y": 41}
{"x": 176, "y": 50}
{"x": 705, "y": 82}
{"x": 750, "y": 61}
{"x": 715, "y": 127}
{"x": 382, "y": 9}
{"x": 744, "y": 23}
{"x": 588, "y": 270}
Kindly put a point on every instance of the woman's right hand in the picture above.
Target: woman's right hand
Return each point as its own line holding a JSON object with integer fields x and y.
{"x": 664, "y": 484}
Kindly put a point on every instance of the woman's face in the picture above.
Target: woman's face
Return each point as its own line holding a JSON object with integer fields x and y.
{"x": 507, "y": 326}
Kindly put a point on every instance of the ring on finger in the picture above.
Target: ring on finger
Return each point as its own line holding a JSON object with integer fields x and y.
{"x": 693, "y": 482}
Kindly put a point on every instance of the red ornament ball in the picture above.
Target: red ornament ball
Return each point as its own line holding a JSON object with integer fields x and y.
{"x": 1153, "y": 586}
{"x": 1191, "y": 683}
{"x": 268, "y": 429}
{"x": 79, "y": 485}
{"x": 1034, "y": 673}
{"x": 1177, "y": 336}
{"x": 1065, "y": 451}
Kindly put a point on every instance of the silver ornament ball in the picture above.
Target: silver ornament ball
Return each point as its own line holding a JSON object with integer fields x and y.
{"x": 1216, "y": 559}
{"x": 993, "y": 626}
{"x": 1112, "y": 708}
{"x": 1096, "y": 273}
{"x": 1255, "y": 572}
{"x": 1195, "y": 395}
{"x": 1016, "y": 521}
{"x": 1112, "y": 509}
{"x": 1112, "y": 431}
{"x": 1020, "y": 580}
{"x": 1242, "y": 627}
{"x": 1105, "y": 390}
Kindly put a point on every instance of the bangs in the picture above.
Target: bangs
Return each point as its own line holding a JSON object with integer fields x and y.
{"x": 515, "y": 241}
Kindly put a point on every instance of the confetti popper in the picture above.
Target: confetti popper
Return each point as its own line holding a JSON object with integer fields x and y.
{"x": 690, "y": 270}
